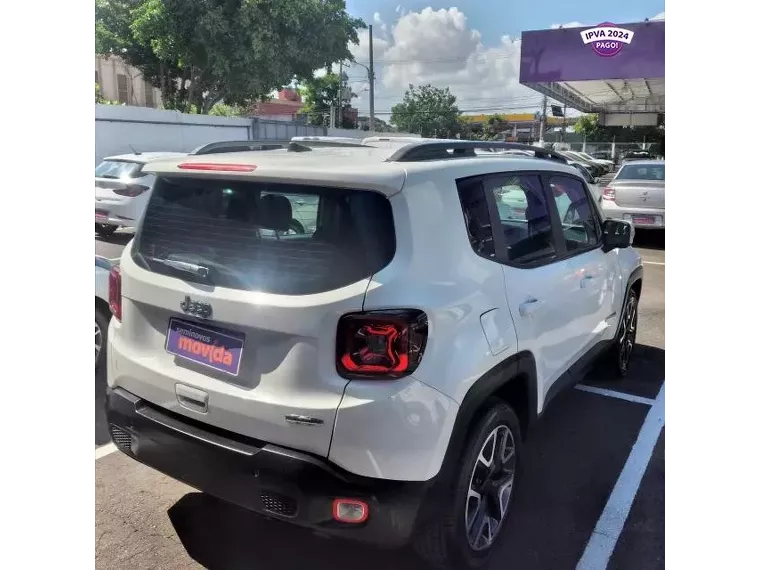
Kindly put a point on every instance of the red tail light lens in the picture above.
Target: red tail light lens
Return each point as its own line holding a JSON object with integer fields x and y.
{"x": 114, "y": 292}
{"x": 608, "y": 193}
{"x": 217, "y": 167}
{"x": 381, "y": 345}
{"x": 131, "y": 191}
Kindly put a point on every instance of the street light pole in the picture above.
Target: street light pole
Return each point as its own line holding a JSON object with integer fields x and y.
{"x": 371, "y": 84}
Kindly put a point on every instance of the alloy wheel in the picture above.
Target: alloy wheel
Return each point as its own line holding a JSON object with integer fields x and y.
{"x": 98, "y": 341}
{"x": 490, "y": 488}
{"x": 627, "y": 338}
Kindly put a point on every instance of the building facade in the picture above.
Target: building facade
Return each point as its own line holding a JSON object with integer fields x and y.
{"x": 123, "y": 83}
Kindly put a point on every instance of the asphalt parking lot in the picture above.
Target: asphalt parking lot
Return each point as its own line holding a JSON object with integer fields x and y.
{"x": 594, "y": 484}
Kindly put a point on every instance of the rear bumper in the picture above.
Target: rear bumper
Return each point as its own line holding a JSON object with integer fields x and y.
{"x": 273, "y": 481}
{"x": 631, "y": 214}
{"x": 117, "y": 213}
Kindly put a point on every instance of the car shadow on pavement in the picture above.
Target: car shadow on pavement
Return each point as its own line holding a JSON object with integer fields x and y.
{"x": 650, "y": 239}
{"x": 117, "y": 238}
{"x": 101, "y": 425}
{"x": 222, "y": 536}
{"x": 646, "y": 373}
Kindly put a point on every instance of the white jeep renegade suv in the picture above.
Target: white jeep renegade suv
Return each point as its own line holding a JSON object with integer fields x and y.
{"x": 372, "y": 377}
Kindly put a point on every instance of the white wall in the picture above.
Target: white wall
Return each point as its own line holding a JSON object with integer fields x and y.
{"x": 125, "y": 129}
{"x": 359, "y": 134}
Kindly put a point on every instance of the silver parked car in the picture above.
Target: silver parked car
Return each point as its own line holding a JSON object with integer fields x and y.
{"x": 637, "y": 194}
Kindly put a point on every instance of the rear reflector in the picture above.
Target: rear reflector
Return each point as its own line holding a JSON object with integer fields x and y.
{"x": 218, "y": 167}
{"x": 114, "y": 292}
{"x": 350, "y": 511}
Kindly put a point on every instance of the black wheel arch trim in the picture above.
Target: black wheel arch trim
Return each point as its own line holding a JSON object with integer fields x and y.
{"x": 636, "y": 275}
{"x": 517, "y": 367}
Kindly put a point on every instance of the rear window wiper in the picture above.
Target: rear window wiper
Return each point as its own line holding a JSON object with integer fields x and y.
{"x": 195, "y": 269}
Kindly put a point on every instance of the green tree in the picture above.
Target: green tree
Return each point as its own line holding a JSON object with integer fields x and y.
{"x": 321, "y": 92}
{"x": 588, "y": 126}
{"x": 427, "y": 110}
{"x": 201, "y": 52}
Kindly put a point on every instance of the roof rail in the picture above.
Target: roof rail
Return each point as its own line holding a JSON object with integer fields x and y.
{"x": 392, "y": 138}
{"x": 441, "y": 149}
{"x": 239, "y": 146}
{"x": 325, "y": 141}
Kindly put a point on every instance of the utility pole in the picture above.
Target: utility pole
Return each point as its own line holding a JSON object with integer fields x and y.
{"x": 340, "y": 95}
{"x": 542, "y": 127}
{"x": 564, "y": 122}
{"x": 371, "y": 84}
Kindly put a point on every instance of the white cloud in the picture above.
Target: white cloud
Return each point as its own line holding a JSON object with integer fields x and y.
{"x": 660, "y": 16}
{"x": 568, "y": 25}
{"x": 439, "y": 47}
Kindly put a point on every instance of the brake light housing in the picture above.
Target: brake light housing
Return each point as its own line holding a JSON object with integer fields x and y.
{"x": 131, "y": 191}
{"x": 381, "y": 345}
{"x": 608, "y": 193}
{"x": 114, "y": 292}
{"x": 217, "y": 167}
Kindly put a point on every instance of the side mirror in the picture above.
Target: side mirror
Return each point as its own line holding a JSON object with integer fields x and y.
{"x": 616, "y": 234}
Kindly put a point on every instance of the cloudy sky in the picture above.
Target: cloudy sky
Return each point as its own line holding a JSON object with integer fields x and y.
{"x": 472, "y": 47}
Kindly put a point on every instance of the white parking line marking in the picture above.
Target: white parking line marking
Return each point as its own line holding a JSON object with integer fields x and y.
{"x": 614, "y": 394}
{"x": 654, "y": 262}
{"x": 104, "y": 450}
{"x": 610, "y": 524}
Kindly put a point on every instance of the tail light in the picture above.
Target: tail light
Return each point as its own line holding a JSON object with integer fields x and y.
{"x": 131, "y": 191}
{"x": 608, "y": 193}
{"x": 114, "y": 292}
{"x": 381, "y": 344}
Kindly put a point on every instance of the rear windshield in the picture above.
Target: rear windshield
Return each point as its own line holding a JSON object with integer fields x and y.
{"x": 642, "y": 172}
{"x": 118, "y": 169}
{"x": 275, "y": 238}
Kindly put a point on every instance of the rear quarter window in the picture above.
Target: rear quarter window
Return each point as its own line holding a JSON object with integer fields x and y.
{"x": 118, "y": 169}
{"x": 275, "y": 238}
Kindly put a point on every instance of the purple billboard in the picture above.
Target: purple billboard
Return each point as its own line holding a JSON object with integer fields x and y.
{"x": 605, "y": 51}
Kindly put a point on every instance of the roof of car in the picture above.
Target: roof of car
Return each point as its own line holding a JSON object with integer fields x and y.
{"x": 145, "y": 157}
{"x": 378, "y": 163}
{"x": 645, "y": 161}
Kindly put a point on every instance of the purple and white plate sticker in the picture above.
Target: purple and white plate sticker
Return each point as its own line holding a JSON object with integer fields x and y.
{"x": 212, "y": 347}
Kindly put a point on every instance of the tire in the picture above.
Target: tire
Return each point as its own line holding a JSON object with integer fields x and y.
{"x": 443, "y": 542}
{"x": 101, "y": 326}
{"x": 625, "y": 338}
{"x": 105, "y": 230}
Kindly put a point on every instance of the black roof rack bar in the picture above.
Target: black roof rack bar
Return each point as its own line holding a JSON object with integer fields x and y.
{"x": 436, "y": 150}
{"x": 299, "y": 145}
{"x": 239, "y": 146}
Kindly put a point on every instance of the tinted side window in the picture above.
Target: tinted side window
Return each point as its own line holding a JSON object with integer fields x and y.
{"x": 579, "y": 223}
{"x": 524, "y": 217}
{"x": 476, "y": 219}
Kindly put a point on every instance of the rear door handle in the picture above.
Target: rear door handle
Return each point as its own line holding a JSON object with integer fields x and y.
{"x": 529, "y": 307}
{"x": 587, "y": 280}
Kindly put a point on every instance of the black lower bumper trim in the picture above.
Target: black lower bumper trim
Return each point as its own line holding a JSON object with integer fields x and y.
{"x": 265, "y": 478}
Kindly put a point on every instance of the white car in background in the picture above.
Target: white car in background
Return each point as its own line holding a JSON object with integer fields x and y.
{"x": 102, "y": 308}
{"x": 637, "y": 194}
{"x": 122, "y": 190}
{"x": 608, "y": 163}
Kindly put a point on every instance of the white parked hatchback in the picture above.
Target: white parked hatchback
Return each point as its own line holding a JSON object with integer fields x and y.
{"x": 373, "y": 377}
{"x": 122, "y": 190}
